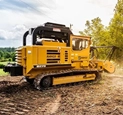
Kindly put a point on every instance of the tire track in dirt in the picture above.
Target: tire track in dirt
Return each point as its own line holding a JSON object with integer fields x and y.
{"x": 11, "y": 101}
{"x": 56, "y": 104}
{"x": 52, "y": 106}
{"x": 116, "y": 81}
{"x": 20, "y": 98}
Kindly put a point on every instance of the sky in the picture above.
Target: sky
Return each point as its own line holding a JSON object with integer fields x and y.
{"x": 18, "y": 16}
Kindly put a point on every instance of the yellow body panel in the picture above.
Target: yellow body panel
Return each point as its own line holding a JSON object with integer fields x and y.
{"x": 71, "y": 79}
{"x": 39, "y": 56}
{"x": 109, "y": 67}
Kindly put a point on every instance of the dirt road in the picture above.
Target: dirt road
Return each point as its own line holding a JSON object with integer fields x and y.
{"x": 102, "y": 98}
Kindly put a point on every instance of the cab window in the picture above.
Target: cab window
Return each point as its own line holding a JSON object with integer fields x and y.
{"x": 79, "y": 44}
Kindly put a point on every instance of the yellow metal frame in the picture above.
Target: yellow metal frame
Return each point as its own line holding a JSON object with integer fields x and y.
{"x": 72, "y": 79}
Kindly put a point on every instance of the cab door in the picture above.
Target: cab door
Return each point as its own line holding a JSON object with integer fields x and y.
{"x": 80, "y": 46}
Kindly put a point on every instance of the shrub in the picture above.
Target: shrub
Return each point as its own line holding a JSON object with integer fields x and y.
{"x": 10, "y": 59}
{"x": 4, "y": 60}
{"x": 1, "y": 65}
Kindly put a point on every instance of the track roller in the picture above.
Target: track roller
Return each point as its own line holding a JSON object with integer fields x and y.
{"x": 41, "y": 82}
{"x": 46, "y": 82}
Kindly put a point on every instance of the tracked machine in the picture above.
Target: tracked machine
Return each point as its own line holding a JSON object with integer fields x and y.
{"x": 56, "y": 56}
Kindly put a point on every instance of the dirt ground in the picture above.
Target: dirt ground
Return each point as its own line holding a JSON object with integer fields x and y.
{"x": 105, "y": 97}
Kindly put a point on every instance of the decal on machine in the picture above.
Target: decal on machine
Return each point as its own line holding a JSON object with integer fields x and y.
{"x": 39, "y": 66}
{"x": 29, "y": 52}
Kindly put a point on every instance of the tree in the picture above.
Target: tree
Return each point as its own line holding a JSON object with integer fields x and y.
{"x": 1, "y": 54}
{"x": 7, "y": 54}
{"x": 116, "y": 29}
{"x": 99, "y": 34}
{"x": 97, "y": 31}
{"x": 13, "y": 56}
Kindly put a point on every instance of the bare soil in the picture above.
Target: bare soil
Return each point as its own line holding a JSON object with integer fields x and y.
{"x": 104, "y": 97}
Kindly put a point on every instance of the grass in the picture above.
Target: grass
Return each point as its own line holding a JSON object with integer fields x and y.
{"x": 4, "y": 63}
{"x": 2, "y": 73}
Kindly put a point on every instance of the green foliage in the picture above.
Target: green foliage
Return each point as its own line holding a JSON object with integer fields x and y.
{"x": 4, "y": 63}
{"x": 99, "y": 34}
{"x": 116, "y": 29}
{"x": 13, "y": 56}
{"x": 7, "y": 54}
{"x": 1, "y": 65}
{"x": 7, "y": 49}
{"x": 2, "y": 73}
{"x": 97, "y": 31}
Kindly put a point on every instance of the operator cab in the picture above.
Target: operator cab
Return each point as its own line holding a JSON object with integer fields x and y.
{"x": 80, "y": 48}
{"x": 79, "y": 43}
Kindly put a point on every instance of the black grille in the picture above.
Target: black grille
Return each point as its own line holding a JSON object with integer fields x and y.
{"x": 66, "y": 55}
{"x": 53, "y": 56}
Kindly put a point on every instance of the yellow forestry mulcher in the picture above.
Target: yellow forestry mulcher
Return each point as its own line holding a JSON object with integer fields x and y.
{"x": 56, "y": 56}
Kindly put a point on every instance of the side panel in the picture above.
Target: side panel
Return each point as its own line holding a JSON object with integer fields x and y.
{"x": 41, "y": 58}
{"x": 29, "y": 58}
{"x": 53, "y": 55}
{"x": 72, "y": 79}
